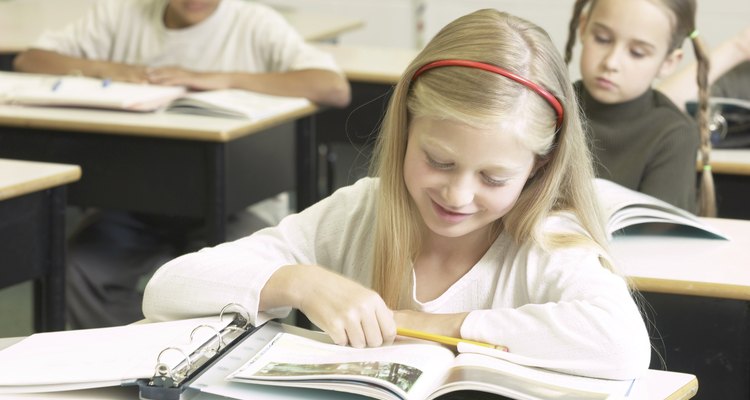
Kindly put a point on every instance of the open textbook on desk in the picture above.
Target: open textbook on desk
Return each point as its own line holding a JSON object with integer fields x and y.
{"x": 629, "y": 211}
{"x": 181, "y": 359}
{"x": 76, "y": 91}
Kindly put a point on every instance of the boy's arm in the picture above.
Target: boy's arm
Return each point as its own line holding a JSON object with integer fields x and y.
{"x": 50, "y": 62}
{"x": 318, "y": 85}
{"x": 682, "y": 86}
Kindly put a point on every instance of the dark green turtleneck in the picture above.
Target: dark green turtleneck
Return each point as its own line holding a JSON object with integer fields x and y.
{"x": 646, "y": 144}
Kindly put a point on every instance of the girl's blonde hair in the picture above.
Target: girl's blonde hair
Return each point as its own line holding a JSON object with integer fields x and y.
{"x": 563, "y": 180}
{"x": 682, "y": 13}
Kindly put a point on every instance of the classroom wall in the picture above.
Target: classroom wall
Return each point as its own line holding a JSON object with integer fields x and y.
{"x": 410, "y": 23}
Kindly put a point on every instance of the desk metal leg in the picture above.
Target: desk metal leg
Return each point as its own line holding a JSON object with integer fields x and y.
{"x": 307, "y": 161}
{"x": 307, "y": 179}
{"x": 49, "y": 290}
{"x": 216, "y": 213}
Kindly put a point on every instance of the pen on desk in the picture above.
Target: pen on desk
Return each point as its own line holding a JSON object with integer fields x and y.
{"x": 56, "y": 85}
{"x": 451, "y": 341}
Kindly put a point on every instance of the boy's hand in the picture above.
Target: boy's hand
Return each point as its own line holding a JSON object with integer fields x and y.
{"x": 122, "y": 72}
{"x": 175, "y": 76}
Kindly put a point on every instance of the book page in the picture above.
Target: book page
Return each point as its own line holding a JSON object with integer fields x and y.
{"x": 626, "y": 208}
{"x": 398, "y": 371}
{"x": 79, "y": 91}
{"x": 472, "y": 371}
{"x": 235, "y": 103}
{"x": 100, "y": 357}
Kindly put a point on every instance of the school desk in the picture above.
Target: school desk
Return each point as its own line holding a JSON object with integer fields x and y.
{"x": 168, "y": 164}
{"x": 697, "y": 294}
{"x": 692, "y": 266}
{"x": 32, "y": 230}
{"x": 730, "y": 162}
{"x": 731, "y": 170}
{"x": 372, "y": 72}
{"x": 654, "y": 385}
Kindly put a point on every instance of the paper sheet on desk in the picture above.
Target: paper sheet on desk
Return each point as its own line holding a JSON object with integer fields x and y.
{"x": 108, "y": 393}
{"x": 79, "y": 91}
{"x": 516, "y": 364}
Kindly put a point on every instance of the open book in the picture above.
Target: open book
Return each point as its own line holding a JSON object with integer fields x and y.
{"x": 74, "y": 91}
{"x": 211, "y": 359}
{"x": 628, "y": 210}
{"x": 409, "y": 370}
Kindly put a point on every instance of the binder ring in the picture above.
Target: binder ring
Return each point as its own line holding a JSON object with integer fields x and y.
{"x": 243, "y": 313}
{"x": 216, "y": 331}
{"x": 162, "y": 369}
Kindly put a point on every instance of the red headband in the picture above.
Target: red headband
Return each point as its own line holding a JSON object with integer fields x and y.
{"x": 544, "y": 93}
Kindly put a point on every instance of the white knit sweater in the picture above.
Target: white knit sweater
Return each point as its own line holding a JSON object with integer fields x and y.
{"x": 561, "y": 307}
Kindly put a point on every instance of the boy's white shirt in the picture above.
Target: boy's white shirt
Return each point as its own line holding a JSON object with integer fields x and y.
{"x": 562, "y": 308}
{"x": 239, "y": 36}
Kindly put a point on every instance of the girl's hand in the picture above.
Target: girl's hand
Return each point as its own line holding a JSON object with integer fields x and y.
{"x": 349, "y": 312}
{"x": 175, "y": 76}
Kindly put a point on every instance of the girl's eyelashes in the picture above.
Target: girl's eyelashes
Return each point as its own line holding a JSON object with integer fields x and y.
{"x": 448, "y": 165}
{"x": 437, "y": 164}
{"x": 494, "y": 181}
{"x": 637, "y": 54}
{"x": 599, "y": 38}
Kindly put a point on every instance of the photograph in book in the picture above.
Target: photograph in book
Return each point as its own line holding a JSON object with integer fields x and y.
{"x": 410, "y": 369}
{"x": 628, "y": 211}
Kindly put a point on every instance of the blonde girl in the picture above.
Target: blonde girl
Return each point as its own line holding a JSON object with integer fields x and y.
{"x": 481, "y": 222}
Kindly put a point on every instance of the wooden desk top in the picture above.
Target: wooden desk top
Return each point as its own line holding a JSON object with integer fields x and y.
{"x": 689, "y": 266}
{"x": 371, "y": 64}
{"x": 159, "y": 124}
{"x": 665, "y": 385}
{"x": 22, "y": 21}
{"x": 18, "y": 177}
{"x": 729, "y": 161}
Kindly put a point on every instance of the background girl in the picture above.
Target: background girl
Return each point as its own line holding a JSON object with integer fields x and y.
{"x": 640, "y": 139}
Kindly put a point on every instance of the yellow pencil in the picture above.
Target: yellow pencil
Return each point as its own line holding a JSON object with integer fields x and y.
{"x": 451, "y": 341}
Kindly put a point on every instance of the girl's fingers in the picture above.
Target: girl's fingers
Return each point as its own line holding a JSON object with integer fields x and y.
{"x": 387, "y": 325}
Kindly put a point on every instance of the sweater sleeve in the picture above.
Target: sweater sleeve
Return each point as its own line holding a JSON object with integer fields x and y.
{"x": 572, "y": 315}
{"x": 203, "y": 282}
